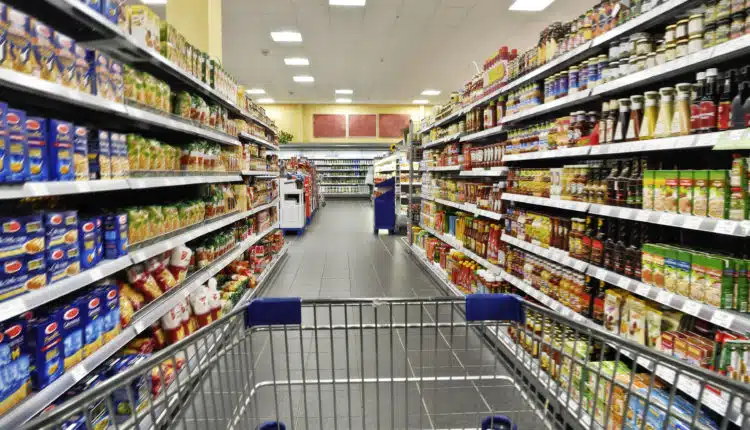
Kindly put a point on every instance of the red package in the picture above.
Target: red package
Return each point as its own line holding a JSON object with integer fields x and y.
{"x": 179, "y": 262}
{"x": 143, "y": 282}
{"x": 163, "y": 277}
{"x": 160, "y": 339}
{"x": 171, "y": 323}
{"x": 199, "y": 302}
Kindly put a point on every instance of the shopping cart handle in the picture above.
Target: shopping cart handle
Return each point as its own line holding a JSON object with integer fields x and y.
{"x": 274, "y": 311}
{"x": 498, "y": 422}
{"x": 494, "y": 307}
{"x": 271, "y": 425}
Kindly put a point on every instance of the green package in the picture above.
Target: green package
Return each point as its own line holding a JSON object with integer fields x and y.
{"x": 659, "y": 190}
{"x": 670, "y": 269}
{"x": 740, "y": 285}
{"x": 684, "y": 267}
{"x": 647, "y": 268}
{"x": 671, "y": 189}
{"x": 718, "y": 193}
{"x": 697, "y": 277}
{"x": 648, "y": 189}
{"x": 685, "y": 199}
{"x": 729, "y": 284}
{"x": 700, "y": 192}
{"x": 657, "y": 265}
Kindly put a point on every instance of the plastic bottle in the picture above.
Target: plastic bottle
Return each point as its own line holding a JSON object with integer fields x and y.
{"x": 725, "y": 101}
{"x": 709, "y": 102}
{"x": 737, "y": 116}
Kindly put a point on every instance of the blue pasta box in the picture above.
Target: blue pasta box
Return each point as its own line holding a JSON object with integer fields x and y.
{"x": 13, "y": 277}
{"x": 88, "y": 230}
{"x": 44, "y": 347}
{"x": 43, "y": 52}
{"x": 3, "y": 139}
{"x": 117, "y": 81}
{"x": 60, "y": 219}
{"x": 61, "y": 228}
{"x": 62, "y": 262}
{"x": 96, "y": 414}
{"x": 93, "y": 322}
{"x": 21, "y": 235}
{"x": 94, "y": 4}
{"x": 81, "y": 153}
{"x": 99, "y": 74}
{"x": 17, "y": 160}
{"x": 19, "y": 41}
{"x": 72, "y": 332}
{"x": 115, "y": 235}
{"x": 111, "y": 311}
{"x": 60, "y": 147}
{"x": 14, "y": 364}
{"x": 36, "y": 268}
{"x": 14, "y": 335}
{"x": 111, "y": 10}
{"x": 99, "y": 155}
{"x": 4, "y": 35}
{"x": 138, "y": 390}
{"x": 36, "y": 131}
{"x": 99, "y": 238}
{"x": 65, "y": 63}
{"x": 82, "y": 69}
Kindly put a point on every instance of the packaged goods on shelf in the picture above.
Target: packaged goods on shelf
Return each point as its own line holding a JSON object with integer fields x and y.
{"x": 484, "y": 195}
{"x": 258, "y": 157}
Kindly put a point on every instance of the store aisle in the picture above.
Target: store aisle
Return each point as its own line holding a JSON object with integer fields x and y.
{"x": 339, "y": 256}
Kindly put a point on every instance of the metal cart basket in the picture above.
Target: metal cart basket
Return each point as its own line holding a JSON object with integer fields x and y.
{"x": 485, "y": 361}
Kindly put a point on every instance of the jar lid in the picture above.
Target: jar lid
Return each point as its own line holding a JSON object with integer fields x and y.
{"x": 624, "y": 100}
{"x": 651, "y": 94}
{"x": 671, "y": 45}
{"x": 660, "y": 50}
{"x": 695, "y": 16}
{"x": 682, "y": 42}
{"x": 723, "y": 21}
{"x": 684, "y": 87}
{"x": 573, "y": 68}
{"x": 666, "y": 90}
{"x": 643, "y": 40}
{"x": 696, "y": 36}
{"x": 636, "y": 98}
{"x": 671, "y": 27}
{"x": 651, "y": 54}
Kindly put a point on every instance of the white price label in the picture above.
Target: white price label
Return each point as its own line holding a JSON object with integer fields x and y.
{"x": 692, "y": 222}
{"x": 664, "y": 297}
{"x": 691, "y": 307}
{"x": 605, "y": 210}
{"x": 667, "y": 218}
{"x": 643, "y": 215}
{"x": 623, "y": 282}
{"x": 736, "y": 135}
{"x": 725, "y": 226}
{"x": 139, "y": 327}
{"x": 642, "y": 290}
{"x": 722, "y": 319}
{"x": 626, "y": 213}
{"x": 78, "y": 372}
{"x": 580, "y": 265}
{"x": 601, "y": 274}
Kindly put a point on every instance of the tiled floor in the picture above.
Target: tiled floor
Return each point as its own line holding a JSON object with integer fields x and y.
{"x": 363, "y": 372}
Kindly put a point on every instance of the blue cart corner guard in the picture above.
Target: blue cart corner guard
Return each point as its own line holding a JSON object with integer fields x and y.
{"x": 271, "y": 425}
{"x": 274, "y": 311}
{"x": 498, "y": 422}
{"x": 494, "y": 307}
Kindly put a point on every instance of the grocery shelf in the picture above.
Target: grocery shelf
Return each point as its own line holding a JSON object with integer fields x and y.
{"x": 563, "y": 102}
{"x": 480, "y": 172}
{"x": 554, "y": 254}
{"x": 343, "y": 176}
{"x": 482, "y": 134}
{"x": 175, "y": 181}
{"x": 452, "y": 241}
{"x": 707, "y": 140}
{"x": 544, "y": 201}
{"x": 443, "y": 168}
{"x": 442, "y": 140}
{"x": 141, "y": 321}
{"x": 259, "y": 173}
{"x": 466, "y": 207}
{"x": 433, "y": 268}
{"x": 416, "y": 184}
{"x": 147, "y": 251}
{"x": 339, "y": 183}
{"x": 554, "y": 153}
{"x": 170, "y": 122}
{"x": 342, "y": 170}
{"x": 259, "y": 140}
{"x": 346, "y": 194}
{"x": 444, "y": 120}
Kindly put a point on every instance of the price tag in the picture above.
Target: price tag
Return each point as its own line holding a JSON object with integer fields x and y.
{"x": 643, "y": 215}
{"x": 642, "y": 290}
{"x": 78, "y": 372}
{"x": 626, "y": 213}
{"x": 605, "y": 210}
{"x": 623, "y": 282}
{"x": 580, "y": 265}
{"x": 722, "y": 319}
{"x": 601, "y": 274}
{"x": 667, "y": 218}
{"x": 736, "y": 135}
{"x": 691, "y": 307}
{"x": 708, "y": 139}
{"x": 664, "y": 297}
{"x": 692, "y": 222}
{"x": 725, "y": 226}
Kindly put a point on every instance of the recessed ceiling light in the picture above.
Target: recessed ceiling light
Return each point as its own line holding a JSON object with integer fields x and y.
{"x": 431, "y": 93}
{"x": 304, "y": 79}
{"x": 530, "y": 5}
{"x": 420, "y": 102}
{"x": 255, "y": 91}
{"x": 265, "y": 100}
{"x": 154, "y": 2}
{"x": 296, "y": 61}
{"x": 343, "y": 100}
{"x": 344, "y": 91}
{"x": 347, "y": 2}
{"x": 286, "y": 36}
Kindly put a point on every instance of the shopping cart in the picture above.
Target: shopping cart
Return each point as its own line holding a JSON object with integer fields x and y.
{"x": 486, "y": 361}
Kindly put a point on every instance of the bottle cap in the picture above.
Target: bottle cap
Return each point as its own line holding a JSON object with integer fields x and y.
{"x": 712, "y": 72}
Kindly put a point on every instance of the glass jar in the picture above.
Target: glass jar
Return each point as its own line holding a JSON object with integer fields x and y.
{"x": 573, "y": 79}
{"x": 666, "y": 109}
{"x": 632, "y": 64}
{"x": 592, "y": 73}
{"x": 695, "y": 24}
{"x": 614, "y": 50}
{"x": 722, "y": 31}
{"x": 601, "y": 64}
{"x": 669, "y": 33}
{"x": 723, "y": 9}
{"x": 681, "y": 115}
{"x": 737, "y": 27}
{"x": 661, "y": 56}
{"x": 669, "y": 52}
{"x": 709, "y": 36}
{"x": 681, "y": 30}
{"x": 681, "y": 48}
{"x": 651, "y": 60}
{"x": 695, "y": 43}
{"x": 640, "y": 63}
{"x": 709, "y": 12}
{"x": 563, "y": 84}
{"x": 643, "y": 46}
{"x": 626, "y": 48}
{"x": 614, "y": 69}
{"x": 650, "y": 114}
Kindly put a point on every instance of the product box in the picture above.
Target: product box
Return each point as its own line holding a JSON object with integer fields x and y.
{"x": 60, "y": 228}
{"x": 3, "y": 139}
{"x": 700, "y": 192}
{"x": 718, "y": 193}
{"x": 115, "y": 235}
{"x": 97, "y": 413}
{"x": 671, "y": 190}
{"x": 94, "y": 4}
{"x": 93, "y": 322}
{"x": 82, "y": 70}
{"x": 111, "y": 10}
{"x": 685, "y": 202}
{"x": 13, "y": 277}
{"x": 99, "y": 237}
{"x": 17, "y": 157}
{"x": 72, "y": 332}
{"x": 138, "y": 390}
{"x": 62, "y": 262}
{"x": 21, "y": 235}
{"x": 741, "y": 286}
{"x": 122, "y": 155}
{"x": 114, "y": 155}
{"x": 99, "y": 155}
{"x": 60, "y": 147}
{"x": 145, "y": 26}
{"x": 116, "y": 81}
{"x": 111, "y": 312}
{"x": 87, "y": 233}
{"x": 66, "y": 60}
{"x": 16, "y": 368}
{"x": 43, "y": 53}
{"x": 98, "y": 74}
{"x": 36, "y": 129}
{"x": 81, "y": 153}
{"x": 44, "y": 346}
{"x": 19, "y": 41}
{"x": 36, "y": 268}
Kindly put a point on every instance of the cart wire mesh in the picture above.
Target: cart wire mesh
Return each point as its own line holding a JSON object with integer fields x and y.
{"x": 485, "y": 361}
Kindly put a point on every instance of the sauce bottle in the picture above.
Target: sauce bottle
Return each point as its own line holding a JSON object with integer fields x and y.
{"x": 709, "y": 102}
{"x": 737, "y": 117}
{"x": 725, "y": 101}
{"x": 603, "y": 124}
{"x": 588, "y": 235}
{"x": 597, "y": 243}
{"x": 681, "y": 116}
{"x": 634, "y": 185}
{"x": 636, "y": 116}
{"x": 611, "y": 183}
{"x": 620, "y": 247}
{"x": 622, "y": 120}
{"x": 633, "y": 253}
{"x": 609, "y": 245}
{"x": 695, "y": 107}
{"x": 611, "y": 121}
{"x": 621, "y": 183}
{"x": 666, "y": 110}
{"x": 650, "y": 112}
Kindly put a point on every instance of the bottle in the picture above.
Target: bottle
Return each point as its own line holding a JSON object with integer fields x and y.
{"x": 695, "y": 106}
{"x": 634, "y": 185}
{"x": 709, "y": 102}
{"x": 611, "y": 185}
{"x": 636, "y": 116}
{"x": 588, "y": 236}
{"x": 725, "y": 101}
{"x": 601, "y": 191}
{"x": 611, "y": 121}
{"x": 633, "y": 253}
{"x": 620, "y": 247}
{"x": 737, "y": 117}
{"x": 603, "y": 124}
{"x": 650, "y": 114}
{"x": 621, "y": 184}
{"x": 609, "y": 244}
{"x": 597, "y": 243}
{"x": 622, "y": 120}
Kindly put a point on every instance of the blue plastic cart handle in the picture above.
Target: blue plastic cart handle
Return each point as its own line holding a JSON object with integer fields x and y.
{"x": 494, "y": 307}
{"x": 271, "y": 425}
{"x": 274, "y": 311}
{"x": 498, "y": 422}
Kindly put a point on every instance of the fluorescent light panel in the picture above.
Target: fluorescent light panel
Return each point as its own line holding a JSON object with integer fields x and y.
{"x": 344, "y": 91}
{"x": 304, "y": 79}
{"x": 343, "y": 100}
{"x": 347, "y": 2}
{"x": 265, "y": 100}
{"x": 296, "y": 61}
{"x": 530, "y": 5}
{"x": 420, "y": 102}
{"x": 431, "y": 93}
{"x": 286, "y": 36}
{"x": 255, "y": 91}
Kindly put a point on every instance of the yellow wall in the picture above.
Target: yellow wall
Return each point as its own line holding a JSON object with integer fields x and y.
{"x": 297, "y": 119}
{"x": 200, "y": 22}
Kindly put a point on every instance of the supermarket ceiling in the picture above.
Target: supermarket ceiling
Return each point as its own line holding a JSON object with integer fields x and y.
{"x": 387, "y": 52}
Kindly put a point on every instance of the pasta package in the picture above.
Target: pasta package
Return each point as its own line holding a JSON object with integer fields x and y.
{"x": 143, "y": 282}
{"x": 159, "y": 272}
